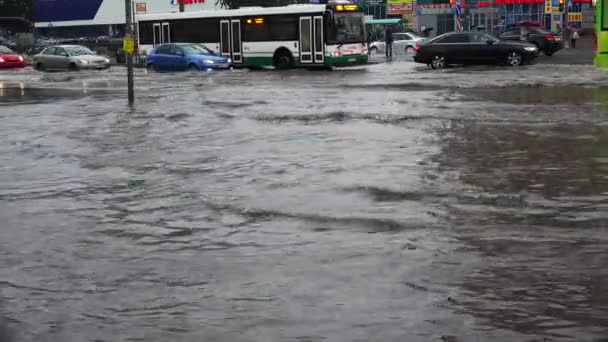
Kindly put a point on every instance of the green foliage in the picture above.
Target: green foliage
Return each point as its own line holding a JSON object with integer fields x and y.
{"x": 16, "y": 8}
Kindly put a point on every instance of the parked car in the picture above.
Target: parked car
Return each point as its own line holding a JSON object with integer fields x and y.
{"x": 69, "y": 57}
{"x": 405, "y": 41}
{"x": 546, "y": 41}
{"x": 473, "y": 48}
{"x": 185, "y": 56}
{"x": 10, "y": 59}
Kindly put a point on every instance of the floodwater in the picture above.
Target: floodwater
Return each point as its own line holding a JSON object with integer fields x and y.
{"x": 381, "y": 203}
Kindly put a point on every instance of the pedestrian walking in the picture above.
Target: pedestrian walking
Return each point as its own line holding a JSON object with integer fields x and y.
{"x": 566, "y": 35}
{"x": 573, "y": 38}
{"x": 388, "y": 40}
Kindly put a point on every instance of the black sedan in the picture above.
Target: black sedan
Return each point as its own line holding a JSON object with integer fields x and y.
{"x": 546, "y": 41}
{"x": 473, "y": 48}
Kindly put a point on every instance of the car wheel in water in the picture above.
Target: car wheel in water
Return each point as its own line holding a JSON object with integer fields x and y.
{"x": 409, "y": 50}
{"x": 515, "y": 59}
{"x": 283, "y": 59}
{"x": 193, "y": 67}
{"x": 438, "y": 62}
{"x": 73, "y": 67}
{"x": 150, "y": 67}
{"x": 549, "y": 53}
{"x": 373, "y": 51}
{"x": 39, "y": 67}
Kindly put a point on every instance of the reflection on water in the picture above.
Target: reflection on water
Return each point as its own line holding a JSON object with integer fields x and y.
{"x": 22, "y": 93}
{"x": 271, "y": 206}
{"x": 544, "y": 95}
{"x": 534, "y": 206}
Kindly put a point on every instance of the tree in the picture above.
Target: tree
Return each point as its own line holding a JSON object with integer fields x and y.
{"x": 16, "y": 8}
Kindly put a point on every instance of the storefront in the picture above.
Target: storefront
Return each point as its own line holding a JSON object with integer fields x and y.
{"x": 402, "y": 9}
{"x": 434, "y": 14}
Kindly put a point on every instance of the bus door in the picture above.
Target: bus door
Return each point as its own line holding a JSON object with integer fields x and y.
{"x": 161, "y": 33}
{"x": 156, "y": 32}
{"x": 231, "y": 45}
{"x": 311, "y": 40}
{"x": 306, "y": 40}
{"x": 319, "y": 54}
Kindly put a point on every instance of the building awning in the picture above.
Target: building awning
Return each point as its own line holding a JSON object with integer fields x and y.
{"x": 384, "y": 21}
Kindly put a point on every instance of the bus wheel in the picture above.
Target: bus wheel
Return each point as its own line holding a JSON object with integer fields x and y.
{"x": 283, "y": 59}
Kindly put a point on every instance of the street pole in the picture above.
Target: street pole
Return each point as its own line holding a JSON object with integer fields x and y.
{"x": 181, "y": 5}
{"x": 128, "y": 47}
{"x": 566, "y": 19}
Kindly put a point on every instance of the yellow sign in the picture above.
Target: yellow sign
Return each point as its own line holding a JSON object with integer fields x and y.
{"x": 575, "y": 17}
{"x": 548, "y": 6}
{"x": 555, "y": 10}
{"x": 140, "y": 8}
{"x": 128, "y": 45}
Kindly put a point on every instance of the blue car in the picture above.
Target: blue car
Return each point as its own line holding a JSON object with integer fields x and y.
{"x": 185, "y": 56}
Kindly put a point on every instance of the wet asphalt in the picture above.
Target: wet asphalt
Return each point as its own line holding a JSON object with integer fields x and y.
{"x": 386, "y": 202}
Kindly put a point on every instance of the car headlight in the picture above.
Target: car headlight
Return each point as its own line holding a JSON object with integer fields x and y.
{"x": 208, "y": 61}
{"x": 82, "y": 61}
{"x": 106, "y": 60}
{"x": 530, "y": 48}
{"x": 229, "y": 61}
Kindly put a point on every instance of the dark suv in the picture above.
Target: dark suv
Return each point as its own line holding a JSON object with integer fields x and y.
{"x": 546, "y": 41}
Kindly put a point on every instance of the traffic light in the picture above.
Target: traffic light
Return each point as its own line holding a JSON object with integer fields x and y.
{"x": 561, "y": 5}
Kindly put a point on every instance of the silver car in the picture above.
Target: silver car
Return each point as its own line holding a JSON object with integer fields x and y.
{"x": 69, "y": 57}
{"x": 402, "y": 42}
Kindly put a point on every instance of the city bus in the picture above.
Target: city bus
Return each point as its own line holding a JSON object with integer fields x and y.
{"x": 324, "y": 35}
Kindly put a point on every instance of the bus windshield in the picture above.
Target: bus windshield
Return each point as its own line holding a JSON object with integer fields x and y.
{"x": 346, "y": 29}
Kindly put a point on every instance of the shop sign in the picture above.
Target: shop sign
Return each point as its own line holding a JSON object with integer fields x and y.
{"x": 140, "y": 8}
{"x": 187, "y": 2}
{"x": 575, "y": 17}
{"x": 399, "y": 6}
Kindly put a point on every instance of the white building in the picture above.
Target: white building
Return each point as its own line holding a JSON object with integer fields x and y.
{"x": 78, "y": 18}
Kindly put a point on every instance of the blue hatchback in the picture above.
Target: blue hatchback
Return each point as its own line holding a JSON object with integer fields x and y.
{"x": 184, "y": 56}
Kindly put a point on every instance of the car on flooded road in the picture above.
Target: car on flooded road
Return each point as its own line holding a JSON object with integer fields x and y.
{"x": 185, "y": 56}
{"x": 402, "y": 41}
{"x": 473, "y": 48}
{"x": 10, "y": 59}
{"x": 546, "y": 41}
{"x": 69, "y": 57}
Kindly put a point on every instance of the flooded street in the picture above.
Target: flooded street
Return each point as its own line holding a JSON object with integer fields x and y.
{"x": 383, "y": 203}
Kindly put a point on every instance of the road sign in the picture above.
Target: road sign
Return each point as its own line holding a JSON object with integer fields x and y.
{"x": 128, "y": 45}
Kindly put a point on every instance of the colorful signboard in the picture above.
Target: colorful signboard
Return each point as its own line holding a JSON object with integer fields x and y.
{"x": 187, "y": 2}
{"x": 575, "y": 17}
{"x": 140, "y": 8}
{"x": 399, "y": 6}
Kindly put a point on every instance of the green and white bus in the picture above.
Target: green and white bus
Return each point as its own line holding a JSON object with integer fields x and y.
{"x": 325, "y": 35}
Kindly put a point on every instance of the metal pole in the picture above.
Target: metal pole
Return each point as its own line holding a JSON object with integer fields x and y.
{"x": 129, "y": 54}
{"x": 566, "y": 17}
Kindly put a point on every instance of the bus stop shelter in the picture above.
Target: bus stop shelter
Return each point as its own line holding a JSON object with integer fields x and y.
{"x": 376, "y": 30}
{"x": 384, "y": 21}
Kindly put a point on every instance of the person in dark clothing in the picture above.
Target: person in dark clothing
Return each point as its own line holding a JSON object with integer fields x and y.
{"x": 388, "y": 40}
